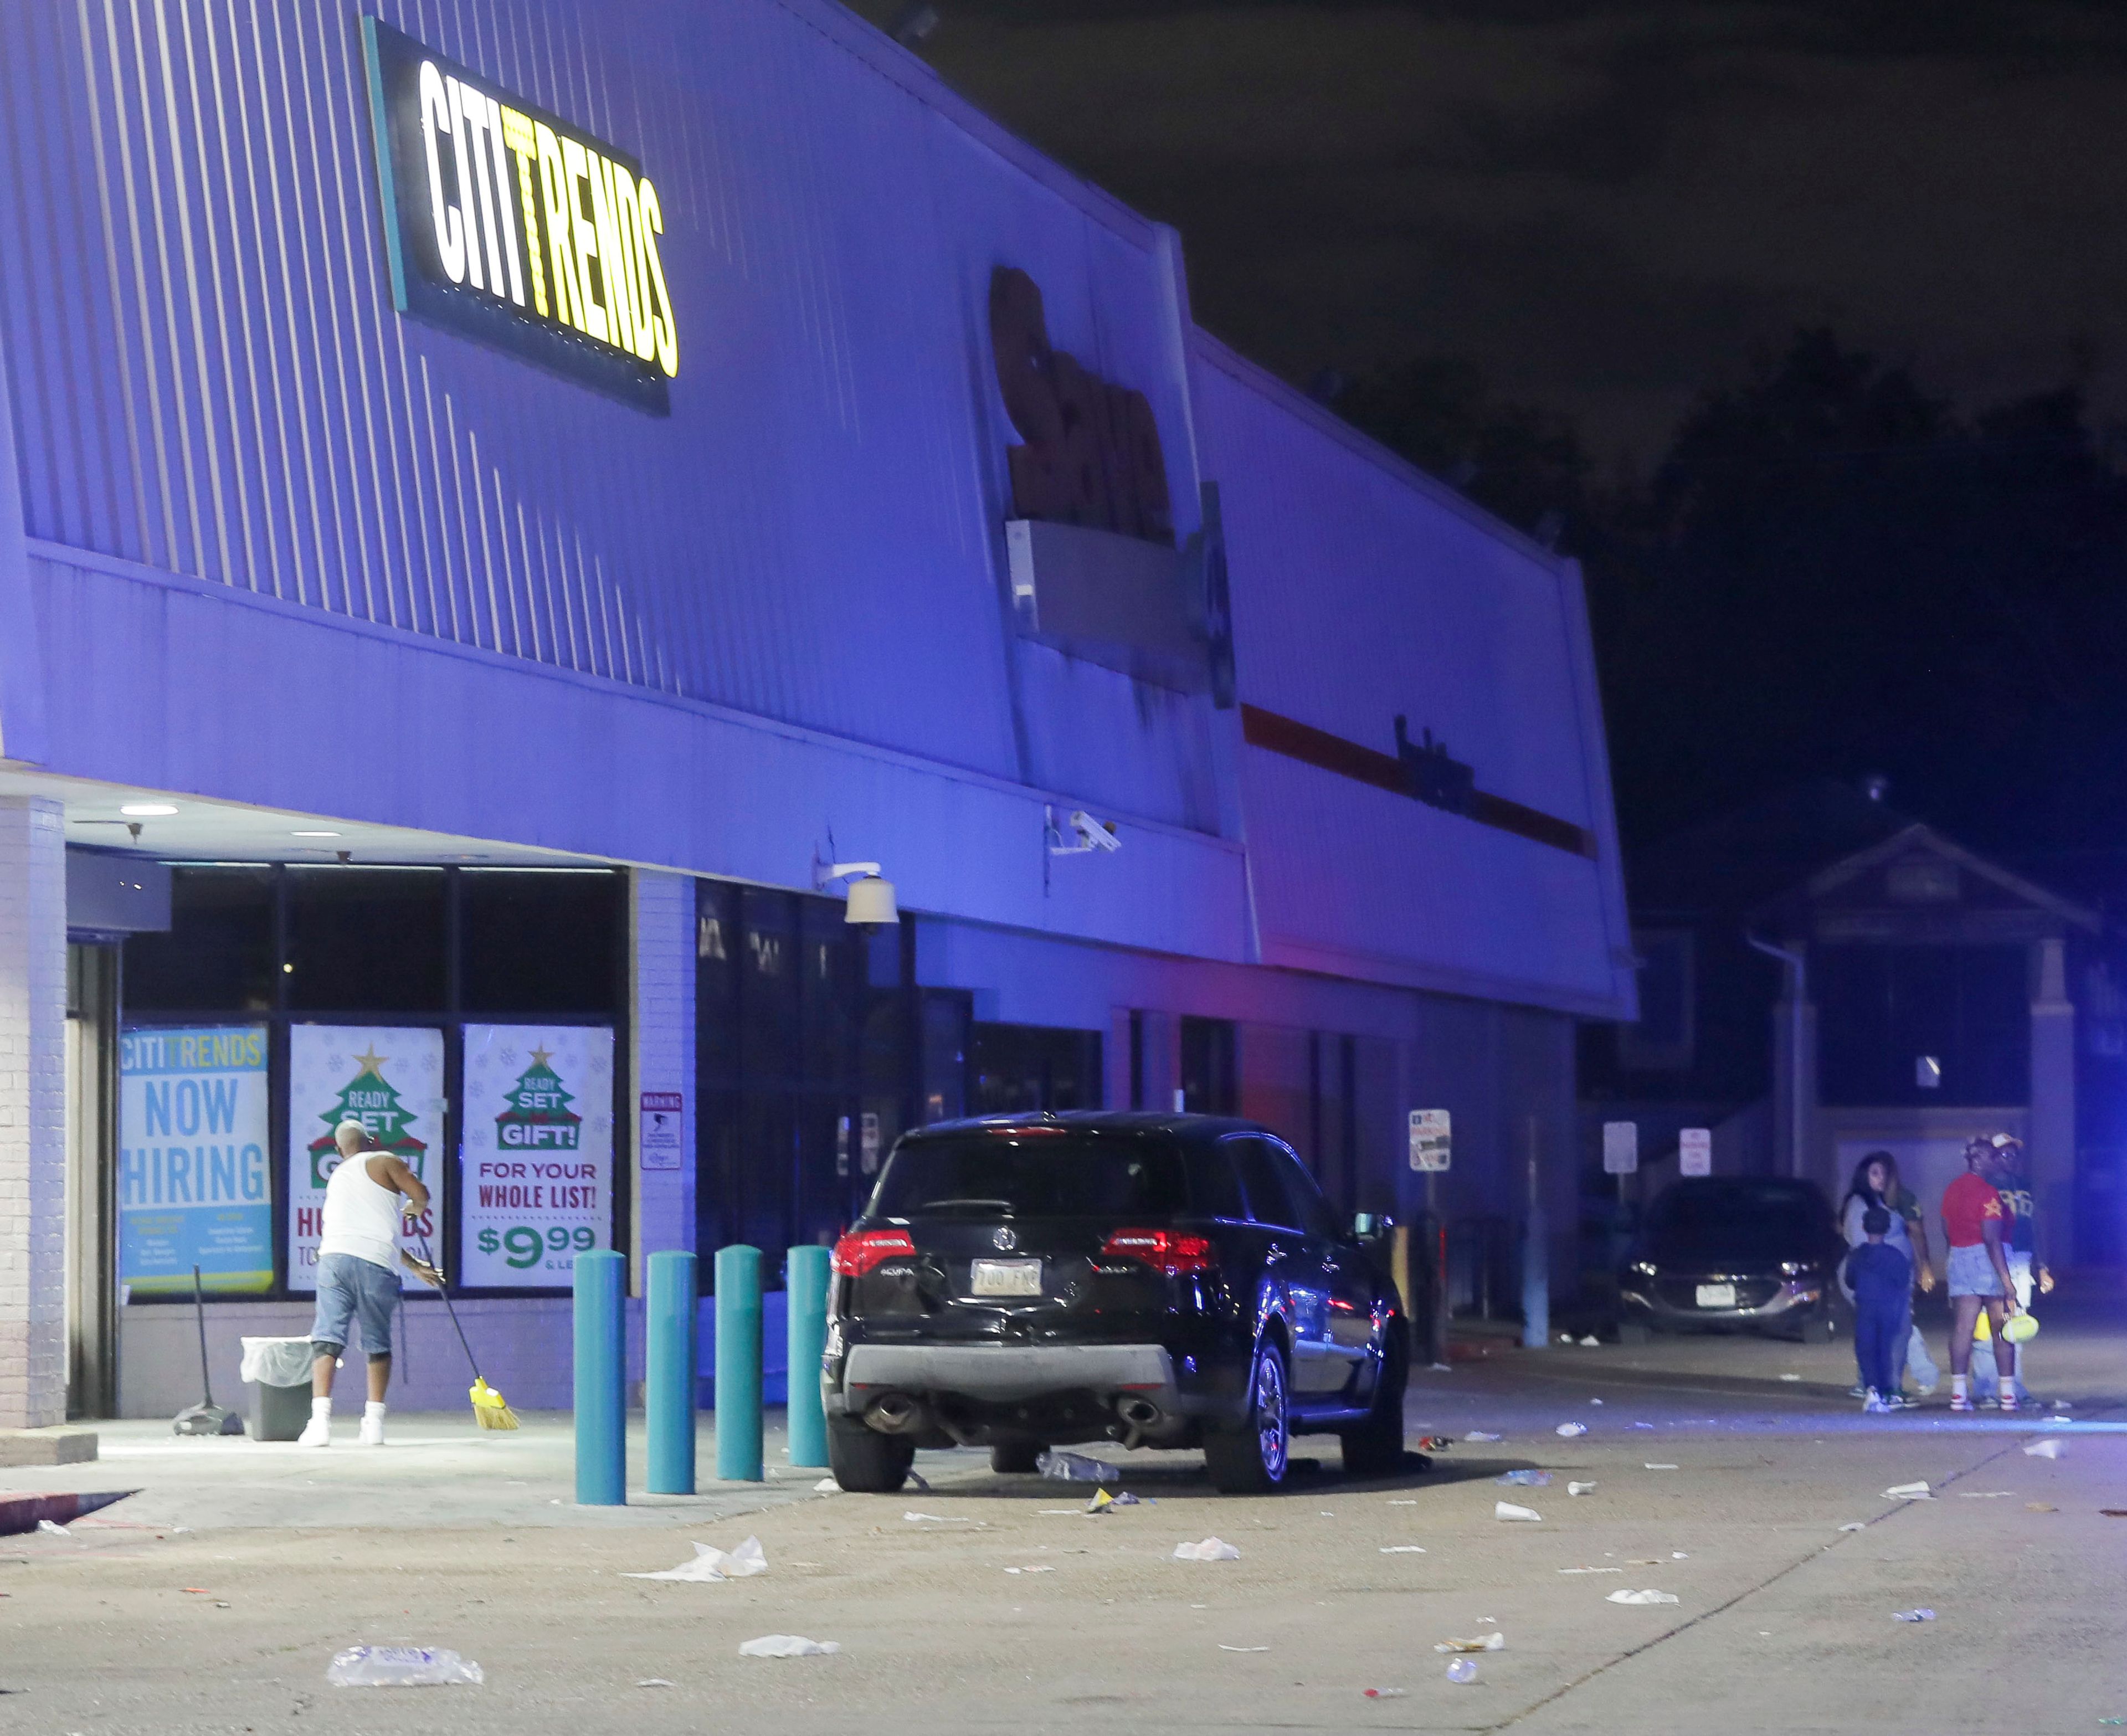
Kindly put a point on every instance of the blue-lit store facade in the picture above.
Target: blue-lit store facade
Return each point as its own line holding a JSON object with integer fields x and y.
{"x": 491, "y": 505}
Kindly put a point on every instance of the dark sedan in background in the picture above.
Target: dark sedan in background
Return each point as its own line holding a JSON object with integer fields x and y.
{"x": 1734, "y": 1254}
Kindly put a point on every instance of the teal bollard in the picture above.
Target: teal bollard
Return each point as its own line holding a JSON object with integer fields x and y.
{"x": 738, "y": 1366}
{"x": 601, "y": 1413}
{"x": 806, "y": 1298}
{"x": 670, "y": 1357}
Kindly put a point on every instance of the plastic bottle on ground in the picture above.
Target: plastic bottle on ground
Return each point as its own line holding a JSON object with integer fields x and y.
{"x": 400, "y": 1667}
{"x": 1462, "y": 1669}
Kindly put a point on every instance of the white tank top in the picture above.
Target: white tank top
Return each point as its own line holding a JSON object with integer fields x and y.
{"x": 361, "y": 1218}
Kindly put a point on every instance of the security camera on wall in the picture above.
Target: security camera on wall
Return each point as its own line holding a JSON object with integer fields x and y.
{"x": 1094, "y": 834}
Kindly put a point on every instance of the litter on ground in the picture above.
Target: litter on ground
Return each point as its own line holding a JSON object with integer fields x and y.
{"x": 2041, "y": 1506}
{"x": 1402, "y": 1549}
{"x": 1983, "y": 1495}
{"x": 1661, "y": 1468}
{"x": 1909, "y": 1491}
{"x": 1480, "y": 1435}
{"x": 1591, "y": 1570}
{"x": 1210, "y": 1549}
{"x": 1508, "y": 1509}
{"x": 654, "y": 1681}
{"x": 1641, "y": 1597}
{"x": 1791, "y": 1377}
{"x": 1244, "y": 1648}
{"x": 1570, "y": 1428}
{"x": 827, "y": 1486}
{"x": 1591, "y": 1342}
{"x": 1462, "y": 1670}
{"x": 1030, "y": 1570}
{"x": 1579, "y": 1488}
{"x": 787, "y": 1645}
{"x": 1858, "y": 1525}
{"x": 1526, "y": 1479}
{"x": 1386, "y": 1693}
{"x": 714, "y": 1565}
{"x": 1076, "y": 1467}
{"x": 934, "y": 1519}
{"x": 1487, "y": 1643}
{"x": 2044, "y": 1449}
{"x": 401, "y": 1666}
{"x": 1913, "y": 1615}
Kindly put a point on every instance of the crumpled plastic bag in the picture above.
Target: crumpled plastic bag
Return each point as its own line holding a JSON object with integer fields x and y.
{"x": 277, "y": 1362}
{"x": 401, "y": 1666}
{"x": 787, "y": 1645}
{"x": 712, "y": 1564}
{"x": 1076, "y": 1467}
{"x": 1526, "y": 1479}
{"x": 1912, "y": 1616}
{"x": 1489, "y": 1643}
{"x": 1210, "y": 1549}
{"x": 2044, "y": 1449}
{"x": 1480, "y": 1435}
{"x": 1579, "y": 1488}
{"x": 1909, "y": 1491}
{"x": 1508, "y": 1509}
{"x": 1641, "y": 1597}
{"x": 1571, "y": 1428}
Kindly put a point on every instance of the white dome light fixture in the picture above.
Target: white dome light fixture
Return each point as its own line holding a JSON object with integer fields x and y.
{"x": 871, "y": 895}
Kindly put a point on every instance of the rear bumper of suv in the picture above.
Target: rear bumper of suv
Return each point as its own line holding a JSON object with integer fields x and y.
{"x": 1662, "y": 1306}
{"x": 1005, "y": 1374}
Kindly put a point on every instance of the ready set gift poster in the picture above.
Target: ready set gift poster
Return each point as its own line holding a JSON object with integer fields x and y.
{"x": 193, "y": 1184}
{"x": 389, "y": 1078}
{"x": 536, "y": 1189}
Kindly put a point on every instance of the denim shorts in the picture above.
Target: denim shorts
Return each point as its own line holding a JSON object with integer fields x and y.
{"x": 351, "y": 1290}
{"x": 1972, "y": 1273}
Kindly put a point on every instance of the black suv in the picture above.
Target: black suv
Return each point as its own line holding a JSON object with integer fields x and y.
{"x": 1021, "y": 1281}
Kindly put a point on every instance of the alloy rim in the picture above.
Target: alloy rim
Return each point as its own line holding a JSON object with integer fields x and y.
{"x": 1272, "y": 1439}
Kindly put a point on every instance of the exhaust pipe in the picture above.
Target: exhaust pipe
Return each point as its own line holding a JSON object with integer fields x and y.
{"x": 895, "y": 1414}
{"x": 1139, "y": 1414}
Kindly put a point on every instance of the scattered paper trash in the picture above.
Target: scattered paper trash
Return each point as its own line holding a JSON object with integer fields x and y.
{"x": 1909, "y": 1491}
{"x": 1030, "y": 1570}
{"x": 714, "y": 1565}
{"x": 1913, "y": 1615}
{"x": 654, "y": 1681}
{"x": 1508, "y": 1509}
{"x": 1210, "y": 1549}
{"x": 1791, "y": 1377}
{"x": 1103, "y": 1501}
{"x": 1591, "y": 1570}
{"x": 1411, "y": 1503}
{"x": 1591, "y": 1342}
{"x": 1076, "y": 1467}
{"x": 1641, "y": 1597}
{"x": 1480, "y": 1435}
{"x": 401, "y": 1666}
{"x": 1570, "y": 1428}
{"x": 49, "y": 1529}
{"x": 1661, "y": 1468}
{"x": 1985, "y": 1494}
{"x": 1526, "y": 1479}
{"x": 1434, "y": 1443}
{"x": 1462, "y": 1670}
{"x": 1579, "y": 1488}
{"x": 1594, "y": 1401}
{"x": 1386, "y": 1693}
{"x": 915, "y": 1518}
{"x": 787, "y": 1645}
{"x": 827, "y": 1486}
{"x": 1488, "y": 1643}
{"x": 1858, "y": 1525}
{"x": 1402, "y": 1549}
{"x": 2044, "y": 1449}
{"x": 1677, "y": 1555}
{"x": 1244, "y": 1648}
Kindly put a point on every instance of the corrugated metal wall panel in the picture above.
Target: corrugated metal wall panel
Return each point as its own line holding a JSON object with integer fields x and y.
{"x": 211, "y": 378}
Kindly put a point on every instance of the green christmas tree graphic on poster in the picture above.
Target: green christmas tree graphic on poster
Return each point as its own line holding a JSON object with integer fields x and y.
{"x": 538, "y": 1117}
{"x": 372, "y": 1099}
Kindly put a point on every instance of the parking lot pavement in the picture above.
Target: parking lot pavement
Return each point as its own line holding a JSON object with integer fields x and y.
{"x": 1783, "y": 1621}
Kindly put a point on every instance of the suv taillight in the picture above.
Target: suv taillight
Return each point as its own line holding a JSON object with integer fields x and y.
{"x": 1169, "y": 1251}
{"x": 855, "y": 1256}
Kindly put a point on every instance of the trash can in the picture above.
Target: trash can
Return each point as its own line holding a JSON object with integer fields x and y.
{"x": 278, "y": 1372}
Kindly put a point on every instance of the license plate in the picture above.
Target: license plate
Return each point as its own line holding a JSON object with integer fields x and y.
{"x": 1717, "y": 1296}
{"x": 1007, "y": 1278}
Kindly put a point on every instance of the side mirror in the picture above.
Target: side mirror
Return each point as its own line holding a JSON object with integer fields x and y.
{"x": 1367, "y": 1226}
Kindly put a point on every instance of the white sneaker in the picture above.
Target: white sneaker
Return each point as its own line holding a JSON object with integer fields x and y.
{"x": 316, "y": 1433}
{"x": 372, "y": 1433}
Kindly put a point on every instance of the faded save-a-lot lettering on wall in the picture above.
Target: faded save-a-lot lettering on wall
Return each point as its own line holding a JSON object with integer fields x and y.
{"x": 391, "y": 1080}
{"x": 193, "y": 1188}
{"x": 537, "y": 1186}
{"x": 504, "y": 223}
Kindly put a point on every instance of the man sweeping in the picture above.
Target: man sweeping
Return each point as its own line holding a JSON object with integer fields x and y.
{"x": 358, "y": 1261}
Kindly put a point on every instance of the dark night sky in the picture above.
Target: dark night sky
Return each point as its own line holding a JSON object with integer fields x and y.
{"x": 1607, "y": 206}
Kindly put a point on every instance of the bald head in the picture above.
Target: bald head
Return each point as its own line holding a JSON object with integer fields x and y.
{"x": 351, "y": 1136}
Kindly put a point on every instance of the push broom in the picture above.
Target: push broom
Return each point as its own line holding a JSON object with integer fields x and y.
{"x": 488, "y": 1409}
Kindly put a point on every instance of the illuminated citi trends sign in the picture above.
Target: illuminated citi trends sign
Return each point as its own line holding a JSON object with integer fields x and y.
{"x": 504, "y": 223}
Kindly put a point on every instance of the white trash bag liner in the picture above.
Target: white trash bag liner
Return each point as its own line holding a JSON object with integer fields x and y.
{"x": 1212, "y": 1549}
{"x": 279, "y": 1362}
{"x": 711, "y": 1565}
{"x": 787, "y": 1645}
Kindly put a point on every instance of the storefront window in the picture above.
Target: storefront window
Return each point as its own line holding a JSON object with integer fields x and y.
{"x": 219, "y": 954}
{"x": 538, "y": 941}
{"x": 365, "y": 940}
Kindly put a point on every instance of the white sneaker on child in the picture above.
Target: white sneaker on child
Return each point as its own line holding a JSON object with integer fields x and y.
{"x": 372, "y": 1433}
{"x": 1873, "y": 1404}
{"x": 316, "y": 1433}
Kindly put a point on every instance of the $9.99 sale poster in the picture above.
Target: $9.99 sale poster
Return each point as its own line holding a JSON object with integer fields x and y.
{"x": 536, "y": 1183}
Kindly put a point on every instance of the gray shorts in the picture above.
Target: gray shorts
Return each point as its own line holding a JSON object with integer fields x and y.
{"x": 1972, "y": 1273}
{"x": 352, "y": 1291}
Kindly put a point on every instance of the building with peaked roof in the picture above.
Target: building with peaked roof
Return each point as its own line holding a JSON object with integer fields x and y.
{"x": 1822, "y": 976}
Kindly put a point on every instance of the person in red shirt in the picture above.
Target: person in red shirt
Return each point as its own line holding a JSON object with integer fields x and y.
{"x": 1974, "y": 1220}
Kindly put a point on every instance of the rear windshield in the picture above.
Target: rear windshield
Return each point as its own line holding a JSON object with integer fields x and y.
{"x": 1032, "y": 1174}
{"x": 1741, "y": 1219}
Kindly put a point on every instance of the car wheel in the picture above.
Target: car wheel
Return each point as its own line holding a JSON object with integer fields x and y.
{"x": 1375, "y": 1448}
{"x": 1253, "y": 1459}
{"x": 866, "y": 1461}
{"x": 1015, "y": 1458}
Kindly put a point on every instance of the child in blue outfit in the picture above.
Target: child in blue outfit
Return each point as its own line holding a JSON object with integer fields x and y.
{"x": 1882, "y": 1281}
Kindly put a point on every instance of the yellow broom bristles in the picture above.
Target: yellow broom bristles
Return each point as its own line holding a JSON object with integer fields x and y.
{"x": 488, "y": 1409}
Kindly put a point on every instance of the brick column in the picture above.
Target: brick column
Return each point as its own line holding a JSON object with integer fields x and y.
{"x": 662, "y": 929}
{"x": 32, "y": 1113}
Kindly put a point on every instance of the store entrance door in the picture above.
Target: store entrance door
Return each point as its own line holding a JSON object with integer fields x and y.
{"x": 91, "y": 1216}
